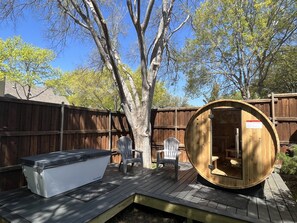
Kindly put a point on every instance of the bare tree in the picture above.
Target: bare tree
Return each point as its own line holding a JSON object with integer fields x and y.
{"x": 91, "y": 17}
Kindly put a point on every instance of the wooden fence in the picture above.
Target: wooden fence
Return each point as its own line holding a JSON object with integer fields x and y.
{"x": 282, "y": 111}
{"x": 28, "y": 128}
{"x": 170, "y": 122}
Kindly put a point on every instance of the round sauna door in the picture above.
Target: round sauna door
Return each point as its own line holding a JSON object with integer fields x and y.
{"x": 231, "y": 144}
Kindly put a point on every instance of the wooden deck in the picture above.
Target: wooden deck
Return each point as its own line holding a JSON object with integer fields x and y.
{"x": 99, "y": 201}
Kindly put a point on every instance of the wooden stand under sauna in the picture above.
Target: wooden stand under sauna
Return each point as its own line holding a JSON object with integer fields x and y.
{"x": 231, "y": 144}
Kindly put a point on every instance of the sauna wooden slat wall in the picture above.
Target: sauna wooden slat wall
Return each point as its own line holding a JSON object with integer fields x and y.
{"x": 259, "y": 143}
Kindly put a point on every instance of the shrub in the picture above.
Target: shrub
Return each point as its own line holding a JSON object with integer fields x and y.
{"x": 289, "y": 165}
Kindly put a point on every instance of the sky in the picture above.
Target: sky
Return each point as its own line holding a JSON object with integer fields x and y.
{"x": 33, "y": 31}
{"x": 74, "y": 54}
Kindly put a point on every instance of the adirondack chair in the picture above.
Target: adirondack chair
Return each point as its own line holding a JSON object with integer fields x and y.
{"x": 169, "y": 154}
{"x": 128, "y": 154}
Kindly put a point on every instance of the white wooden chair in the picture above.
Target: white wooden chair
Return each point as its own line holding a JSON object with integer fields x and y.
{"x": 169, "y": 154}
{"x": 128, "y": 154}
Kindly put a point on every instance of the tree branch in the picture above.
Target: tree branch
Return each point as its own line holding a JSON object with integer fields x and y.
{"x": 41, "y": 92}
{"x": 141, "y": 41}
{"x": 147, "y": 15}
{"x": 179, "y": 27}
{"x": 72, "y": 16}
{"x": 159, "y": 42}
{"x": 110, "y": 54}
{"x": 131, "y": 12}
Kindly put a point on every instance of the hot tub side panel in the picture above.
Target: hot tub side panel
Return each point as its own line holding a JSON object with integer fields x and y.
{"x": 54, "y": 180}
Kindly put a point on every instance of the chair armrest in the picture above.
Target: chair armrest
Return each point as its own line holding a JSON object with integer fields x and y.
{"x": 159, "y": 154}
{"x": 140, "y": 153}
{"x": 177, "y": 154}
{"x": 135, "y": 150}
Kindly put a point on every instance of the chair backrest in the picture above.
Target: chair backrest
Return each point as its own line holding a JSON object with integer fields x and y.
{"x": 170, "y": 148}
{"x": 125, "y": 147}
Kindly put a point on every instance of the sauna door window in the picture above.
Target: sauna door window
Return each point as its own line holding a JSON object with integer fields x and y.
{"x": 226, "y": 148}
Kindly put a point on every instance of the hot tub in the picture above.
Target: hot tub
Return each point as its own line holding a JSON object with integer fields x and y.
{"x": 54, "y": 173}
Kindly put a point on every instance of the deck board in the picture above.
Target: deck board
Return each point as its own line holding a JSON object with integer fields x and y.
{"x": 278, "y": 189}
{"x": 252, "y": 208}
{"x": 286, "y": 195}
{"x": 21, "y": 205}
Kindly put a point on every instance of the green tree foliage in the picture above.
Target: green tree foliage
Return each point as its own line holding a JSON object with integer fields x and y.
{"x": 214, "y": 94}
{"x": 236, "y": 43}
{"x": 25, "y": 65}
{"x": 94, "y": 89}
{"x": 289, "y": 165}
{"x": 282, "y": 76}
{"x": 162, "y": 98}
{"x": 87, "y": 88}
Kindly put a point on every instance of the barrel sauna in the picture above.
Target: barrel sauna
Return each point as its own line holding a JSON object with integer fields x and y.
{"x": 231, "y": 144}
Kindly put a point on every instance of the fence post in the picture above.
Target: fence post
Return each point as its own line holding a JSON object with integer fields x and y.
{"x": 175, "y": 122}
{"x": 109, "y": 131}
{"x": 62, "y": 126}
{"x": 273, "y": 108}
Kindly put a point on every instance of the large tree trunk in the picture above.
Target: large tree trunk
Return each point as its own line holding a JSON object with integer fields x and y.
{"x": 143, "y": 143}
{"x": 139, "y": 120}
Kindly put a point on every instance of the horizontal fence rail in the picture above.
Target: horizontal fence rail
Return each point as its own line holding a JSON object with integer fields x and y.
{"x": 28, "y": 128}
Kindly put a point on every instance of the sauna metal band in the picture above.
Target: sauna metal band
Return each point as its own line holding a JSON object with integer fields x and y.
{"x": 210, "y": 165}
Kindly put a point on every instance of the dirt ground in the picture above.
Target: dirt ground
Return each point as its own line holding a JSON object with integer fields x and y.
{"x": 137, "y": 213}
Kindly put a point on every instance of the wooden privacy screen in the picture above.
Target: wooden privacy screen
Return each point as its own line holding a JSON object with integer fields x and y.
{"x": 231, "y": 144}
